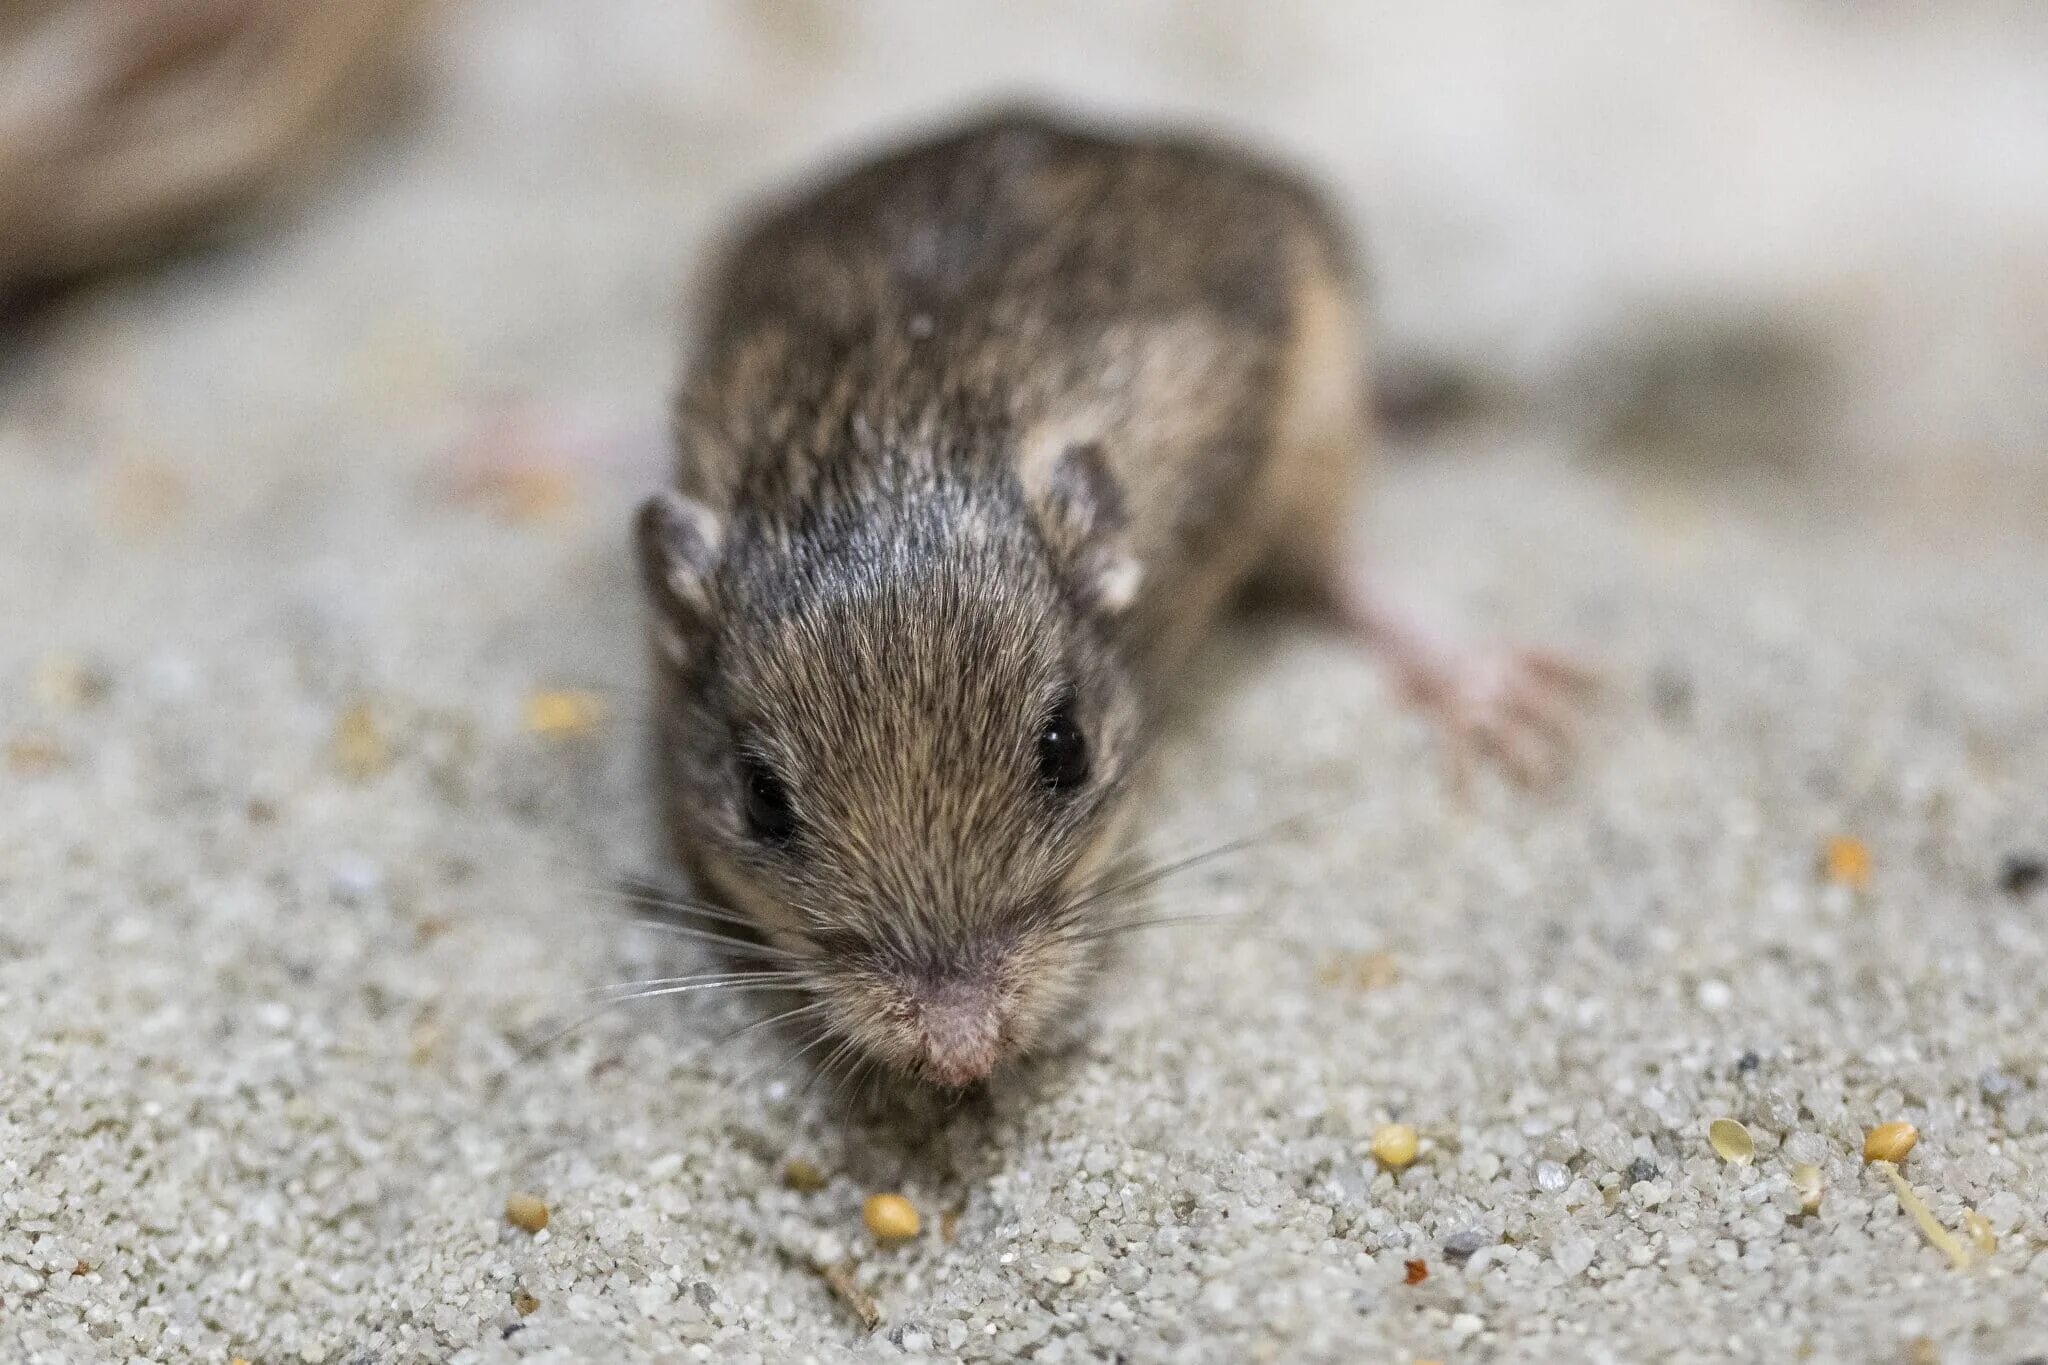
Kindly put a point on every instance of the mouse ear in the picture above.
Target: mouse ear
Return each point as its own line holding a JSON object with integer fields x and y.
{"x": 1081, "y": 512}
{"x": 678, "y": 539}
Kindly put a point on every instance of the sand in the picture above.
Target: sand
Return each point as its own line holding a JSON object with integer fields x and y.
{"x": 288, "y": 877}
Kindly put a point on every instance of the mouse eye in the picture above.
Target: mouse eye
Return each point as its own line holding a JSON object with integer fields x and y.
{"x": 764, "y": 801}
{"x": 1062, "y": 749}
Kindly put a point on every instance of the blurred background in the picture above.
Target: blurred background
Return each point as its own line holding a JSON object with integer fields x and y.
{"x": 1801, "y": 238}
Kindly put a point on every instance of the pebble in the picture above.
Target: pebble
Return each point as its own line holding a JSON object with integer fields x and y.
{"x": 1463, "y": 1243}
{"x": 1551, "y": 1177}
{"x": 1573, "y": 1256}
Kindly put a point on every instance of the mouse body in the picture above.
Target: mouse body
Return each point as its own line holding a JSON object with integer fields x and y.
{"x": 976, "y": 439}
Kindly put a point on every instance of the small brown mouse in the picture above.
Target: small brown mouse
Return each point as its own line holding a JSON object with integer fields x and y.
{"x": 977, "y": 439}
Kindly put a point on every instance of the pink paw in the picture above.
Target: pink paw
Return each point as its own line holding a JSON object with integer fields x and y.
{"x": 1517, "y": 707}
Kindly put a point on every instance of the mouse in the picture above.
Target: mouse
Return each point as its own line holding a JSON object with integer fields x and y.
{"x": 975, "y": 441}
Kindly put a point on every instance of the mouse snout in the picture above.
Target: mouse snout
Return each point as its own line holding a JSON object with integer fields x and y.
{"x": 961, "y": 1028}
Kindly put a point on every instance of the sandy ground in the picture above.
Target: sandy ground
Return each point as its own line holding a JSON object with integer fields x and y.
{"x": 288, "y": 873}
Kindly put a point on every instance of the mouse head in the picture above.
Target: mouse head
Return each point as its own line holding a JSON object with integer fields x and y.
{"x": 898, "y": 733}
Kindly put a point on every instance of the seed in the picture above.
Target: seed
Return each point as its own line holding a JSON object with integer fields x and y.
{"x": 1806, "y": 1178}
{"x": 1890, "y": 1142}
{"x": 360, "y": 750}
{"x": 524, "y": 1210}
{"x": 34, "y": 754}
{"x": 802, "y": 1176}
{"x": 562, "y": 715}
{"x": 1846, "y": 862}
{"x": 1731, "y": 1142}
{"x": 1393, "y": 1146}
{"x": 891, "y": 1217}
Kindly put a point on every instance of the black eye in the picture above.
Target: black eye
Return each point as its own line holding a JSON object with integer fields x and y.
{"x": 765, "y": 802}
{"x": 1062, "y": 750}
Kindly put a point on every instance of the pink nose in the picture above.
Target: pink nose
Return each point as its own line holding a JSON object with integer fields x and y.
{"x": 962, "y": 1033}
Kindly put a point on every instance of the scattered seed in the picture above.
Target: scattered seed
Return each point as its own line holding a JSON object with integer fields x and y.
{"x": 1981, "y": 1235}
{"x": 1806, "y": 1178}
{"x": 1890, "y": 1142}
{"x": 1360, "y": 971}
{"x": 1394, "y": 1146}
{"x": 1416, "y": 1272}
{"x": 890, "y": 1217}
{"x": 563, "y": 714}
{"x": 1731, "y": 1142}
{"x": 527, "y": 1211}
{"x": 2021, "y": 873}
{"x": 1938, "y": 1236}
{"x": 1846, "y": 862}
{"x": 802, "y": 1176}
{"x": 34, "y": 755}
{"x": 360, "y": 749}
{"x": 65, "y": 682}
{"x": 839, "y": 1277}
{"x": 524, "y": 1304}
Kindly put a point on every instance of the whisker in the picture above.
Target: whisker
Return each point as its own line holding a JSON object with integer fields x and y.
{"x": 635, "y": 989}
{"x": 799, "y": 1012}
{"x": 743, "y": 988}
{"x": 1155, "y": 922}
{"x": 652, "y": 897}
{"x": 737, "y": 945}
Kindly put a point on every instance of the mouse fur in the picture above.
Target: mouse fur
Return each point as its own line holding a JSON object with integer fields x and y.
{"x": 976, "y": 439}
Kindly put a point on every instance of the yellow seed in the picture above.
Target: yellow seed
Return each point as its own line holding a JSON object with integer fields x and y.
{"x": 67, "y": 683}
{"x": 1846, "y": 862}
{"x": 558, "y": 715}
{"x": 1731, "y": 1142}
{"x": 1806, "y": 1178}
{"x": 801, "y": 1175}
{"x": 524, "y": 1210}
{"x": 359, "y": 748}
{"x": 1393, "y": 1146}
{"x": 1890, "y": 1142}
{"x": 891, "y": 1217}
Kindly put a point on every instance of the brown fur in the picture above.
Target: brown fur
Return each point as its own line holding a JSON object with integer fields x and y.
{"x": 999, "y": 417}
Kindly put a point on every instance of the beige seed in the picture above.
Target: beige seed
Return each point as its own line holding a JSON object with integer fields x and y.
{"x": 1394, "y": 1145}
{"x": 891, "y": 1217}
{"x": 803, "y": 1176}
{"x": 525, "y": 1210}
{"x": 1731, "y": 1142}
{"x": 1806, "y": 1178}
{"x": 1890, "y": 1142}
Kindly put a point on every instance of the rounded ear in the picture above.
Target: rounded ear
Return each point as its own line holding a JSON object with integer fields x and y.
{"x": 678, "y": 540}
{"x": 1080, "y": 509}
